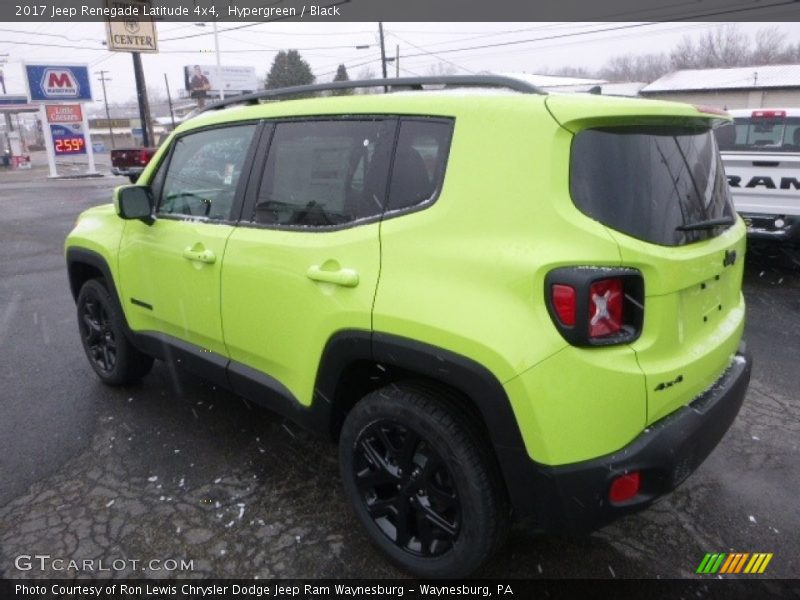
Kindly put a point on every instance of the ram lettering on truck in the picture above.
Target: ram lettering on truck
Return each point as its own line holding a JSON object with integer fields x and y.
{"x": 761, "y": 154}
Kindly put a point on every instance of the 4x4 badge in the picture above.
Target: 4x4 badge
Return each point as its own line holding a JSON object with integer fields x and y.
{"x": 730, "y": 258}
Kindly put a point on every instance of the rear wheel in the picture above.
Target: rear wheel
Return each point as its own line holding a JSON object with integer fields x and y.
{"x": 101, "y": 323}
{"x": 422, "y": 482}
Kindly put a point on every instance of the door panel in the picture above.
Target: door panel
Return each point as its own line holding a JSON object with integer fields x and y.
{"x": 308, "y": 264}
{"x": 165, "y": 289}
{"x": 170, "y": 269}
{"x": 279, "y": 309}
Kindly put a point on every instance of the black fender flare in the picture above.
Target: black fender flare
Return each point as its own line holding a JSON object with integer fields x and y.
{"x": 470, "y": 378}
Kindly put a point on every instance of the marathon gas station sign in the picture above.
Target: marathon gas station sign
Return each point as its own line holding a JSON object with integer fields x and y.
{"x": 58, "y": 83}
{"x": 59, "y": 89}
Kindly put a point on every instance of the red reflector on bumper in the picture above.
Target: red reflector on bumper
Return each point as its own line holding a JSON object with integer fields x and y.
{"x": 624, "y": 487}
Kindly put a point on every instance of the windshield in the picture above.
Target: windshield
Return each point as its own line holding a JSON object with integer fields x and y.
{"x": 760, "y": 134}
{"x": 660, "y": 184}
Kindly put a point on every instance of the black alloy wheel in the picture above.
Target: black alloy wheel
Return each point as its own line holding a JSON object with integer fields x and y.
{"x": 409, "y": 492}
{"x": 422, "y": 479}
{"x": 102, "y": 327}
{"x": 98, "y": 335}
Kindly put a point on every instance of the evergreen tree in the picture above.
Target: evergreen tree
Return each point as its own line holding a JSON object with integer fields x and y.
{"x": 289, "y": 69}
{"x": 341, "y": 75}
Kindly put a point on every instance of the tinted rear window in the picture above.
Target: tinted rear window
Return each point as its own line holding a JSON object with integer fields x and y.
{"x": 649, "y": 181}
{"x": 760, "y": 134}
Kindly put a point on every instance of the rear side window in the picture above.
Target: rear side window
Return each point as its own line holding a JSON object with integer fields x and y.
{"x": 325, "y": 173}
{"x": 649, "y": 182}
{"x": 760, "y": 134}
{"x": 419, "y": 163}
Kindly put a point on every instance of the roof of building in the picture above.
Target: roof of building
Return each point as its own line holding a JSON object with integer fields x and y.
{"x": 772, "y": 76}
{"x": 546, "y": 81}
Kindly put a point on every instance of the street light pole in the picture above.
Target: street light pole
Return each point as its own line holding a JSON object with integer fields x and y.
{"x": 103, "y": 80}
{"x": 9, "y": 126}
{"x": 220, "y": 79}
{"x": 219, "y": 76}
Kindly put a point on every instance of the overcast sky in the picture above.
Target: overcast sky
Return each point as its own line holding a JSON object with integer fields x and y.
{"x": 326, "y": 45}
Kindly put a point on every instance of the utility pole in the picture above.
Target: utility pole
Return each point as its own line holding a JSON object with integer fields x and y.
{"x": 397, "y": 61}
{"x": 383, "y": 55}
{"x": 169, "y": 100}
{"x": 9, "y": 126}
{"x": 219, "y": 72}
{"x": 141, "y": 94}
{"x": 103, "y": 80}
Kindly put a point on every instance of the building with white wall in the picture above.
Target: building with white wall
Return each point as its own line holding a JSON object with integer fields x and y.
{"x": 740, "y": 87}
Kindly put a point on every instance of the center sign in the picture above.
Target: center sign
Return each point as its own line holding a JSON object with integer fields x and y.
{"x": 137, "y": 34}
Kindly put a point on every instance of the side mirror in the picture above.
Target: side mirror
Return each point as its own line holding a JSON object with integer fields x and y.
{"x": 134, "y": 202}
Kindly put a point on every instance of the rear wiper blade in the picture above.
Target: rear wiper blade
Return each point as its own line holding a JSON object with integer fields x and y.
{"x": 708, "y": 224}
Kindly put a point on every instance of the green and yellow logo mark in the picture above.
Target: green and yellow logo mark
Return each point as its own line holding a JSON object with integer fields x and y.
{"x": 735, "y": 563}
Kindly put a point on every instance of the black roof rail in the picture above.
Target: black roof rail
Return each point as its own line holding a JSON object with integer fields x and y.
{"x": 498, "y": 81}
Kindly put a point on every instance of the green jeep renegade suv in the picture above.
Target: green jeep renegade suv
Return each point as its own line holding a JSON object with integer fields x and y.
{"x": 502, "y": 304}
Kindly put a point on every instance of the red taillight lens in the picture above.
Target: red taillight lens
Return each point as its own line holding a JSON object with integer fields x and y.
{"x": 144, "y": 157}
{"x": 605, "y": 307}
{"x": 563, "y": 297}
{"x": 768, "y": 114}
{"x": 625, "y": 487}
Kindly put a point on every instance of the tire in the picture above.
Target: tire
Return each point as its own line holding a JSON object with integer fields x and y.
{"x": 422, "y": 481}
{"x": 102, "y": 327}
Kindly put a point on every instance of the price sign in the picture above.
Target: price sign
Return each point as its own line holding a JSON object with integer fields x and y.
{"x": 68, "y": 139}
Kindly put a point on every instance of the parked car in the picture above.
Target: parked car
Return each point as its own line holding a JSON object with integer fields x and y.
{"x": 502, "y": 304}
{"x": 130, "y": 162}
{"x": 761, "y": 154}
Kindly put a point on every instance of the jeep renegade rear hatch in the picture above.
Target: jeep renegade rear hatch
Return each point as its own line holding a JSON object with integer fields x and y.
{"x": 651, "y": 173}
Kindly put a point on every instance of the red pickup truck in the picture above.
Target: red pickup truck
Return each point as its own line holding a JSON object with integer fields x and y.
{"x": 130, "y": 162}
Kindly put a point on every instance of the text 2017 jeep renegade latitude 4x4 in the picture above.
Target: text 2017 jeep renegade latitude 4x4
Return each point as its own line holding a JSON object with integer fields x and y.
{"x": 503, "y": 304}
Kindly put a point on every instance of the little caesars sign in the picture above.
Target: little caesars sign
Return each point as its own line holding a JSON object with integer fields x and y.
{"x": 134, "y": 33}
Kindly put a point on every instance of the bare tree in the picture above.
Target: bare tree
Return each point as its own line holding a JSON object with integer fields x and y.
{"x": 770, "y": 47}
{"x": 725, "y": 46}
{"x": 366, "y": 73}
{"x": 646, "y": 67}
{"x": 684, "y": 55}
{"x": 441, "y": 69}
{"x": 570, "y": 71}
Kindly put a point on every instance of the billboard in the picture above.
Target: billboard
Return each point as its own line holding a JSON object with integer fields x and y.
{"x": 58, "y": 83}
{"x": 202, "y": 80}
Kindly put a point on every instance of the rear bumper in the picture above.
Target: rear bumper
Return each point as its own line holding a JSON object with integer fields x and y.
{"x": 575, "y": 497}
{"x": 127, "y": 171}
{"x": 764, "y": 227}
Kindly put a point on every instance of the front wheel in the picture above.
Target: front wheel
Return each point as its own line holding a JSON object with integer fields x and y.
{"x": 422, "y": 482}
{"x": 115, "y": 360}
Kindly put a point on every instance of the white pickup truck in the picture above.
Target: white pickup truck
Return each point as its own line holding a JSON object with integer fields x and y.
{"x": 761, "y": 154}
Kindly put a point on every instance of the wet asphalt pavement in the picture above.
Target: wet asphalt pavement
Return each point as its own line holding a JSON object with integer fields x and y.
{"x": 176, "y": 469}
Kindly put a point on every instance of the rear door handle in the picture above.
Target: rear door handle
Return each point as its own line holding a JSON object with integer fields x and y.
{"x": 197, "y": 253}
{"x": 343, "y": 277}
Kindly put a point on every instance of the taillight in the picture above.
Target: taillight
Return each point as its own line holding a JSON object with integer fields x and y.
{"x": 625, "y": 487}
{"x": 768, "y": 114}
{"x": 564, "y": 303}
{"x": 144, "y": 157}
{"x": 605, "y": 307}
{"x": 596, "y": 306}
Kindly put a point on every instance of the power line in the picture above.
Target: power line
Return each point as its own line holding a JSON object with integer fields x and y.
{"x": 449, "y": 62}
{"x": 616, "y": 28}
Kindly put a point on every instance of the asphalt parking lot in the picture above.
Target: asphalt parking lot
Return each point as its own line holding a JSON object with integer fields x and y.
{"x": 176, "y": 469}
